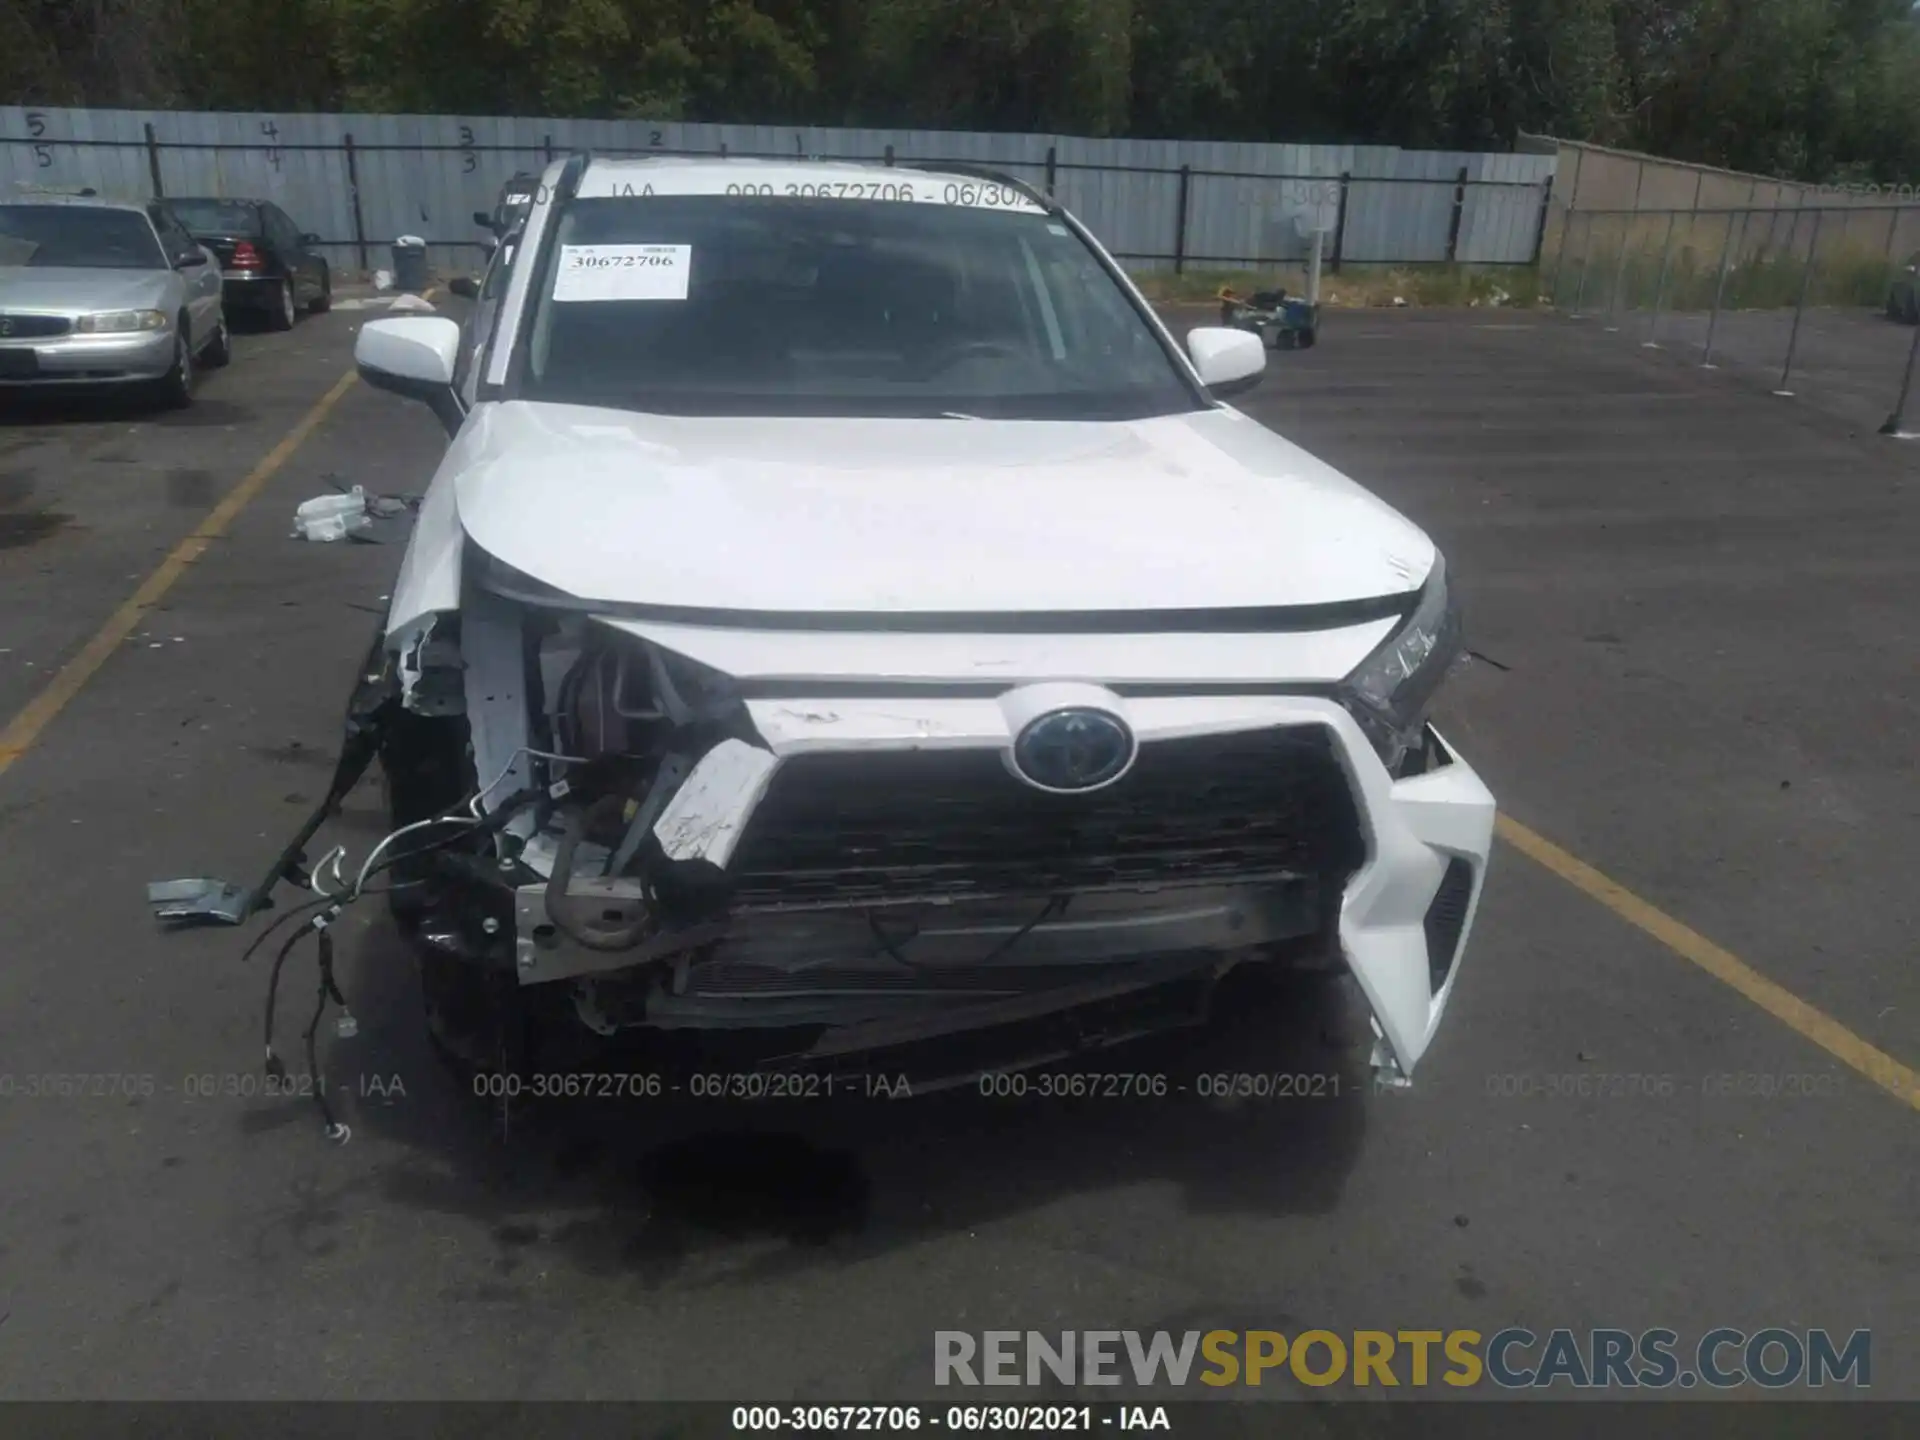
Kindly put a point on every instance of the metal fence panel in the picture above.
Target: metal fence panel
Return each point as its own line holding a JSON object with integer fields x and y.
{"x": 426, "y": 175}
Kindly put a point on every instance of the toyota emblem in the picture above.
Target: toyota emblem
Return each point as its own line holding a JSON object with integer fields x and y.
{"x": 1074, "y": 750}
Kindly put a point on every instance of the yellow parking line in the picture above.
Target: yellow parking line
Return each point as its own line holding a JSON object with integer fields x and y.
{"x": 25, "y": 728}
{"x": 1829, "y": 1034}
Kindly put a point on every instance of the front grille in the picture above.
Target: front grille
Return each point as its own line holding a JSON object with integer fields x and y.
{"x": 1446, "y": 916}
{"x": 901, "y": 825}
{"x": 33, "y": 327}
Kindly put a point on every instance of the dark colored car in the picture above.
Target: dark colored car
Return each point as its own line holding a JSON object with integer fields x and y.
{"x": 267, "y": 262}
{"x": 516, "y": 199}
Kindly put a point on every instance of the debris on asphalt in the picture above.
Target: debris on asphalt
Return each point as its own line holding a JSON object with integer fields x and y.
{"x": 412, "y": 302}
{"x": 327, "y": 518}
{"x": 383, "y": 279}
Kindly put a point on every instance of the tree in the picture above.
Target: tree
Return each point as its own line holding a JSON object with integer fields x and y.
{"x": 1806, "y": 89}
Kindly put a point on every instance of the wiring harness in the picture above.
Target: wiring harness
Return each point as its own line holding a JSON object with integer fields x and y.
{"x": 317, "y": 918}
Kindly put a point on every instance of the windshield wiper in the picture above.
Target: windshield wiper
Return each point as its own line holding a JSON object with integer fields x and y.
{"x": 956, "y": 415}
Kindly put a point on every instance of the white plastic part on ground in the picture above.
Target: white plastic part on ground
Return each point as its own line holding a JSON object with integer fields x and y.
{"x": 326, "y": 518}
{"x": 412, "y": 302}
{"x": 383, "y": 279}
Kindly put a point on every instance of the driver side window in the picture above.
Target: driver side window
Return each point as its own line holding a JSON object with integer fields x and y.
{"x": 281, "y": 229}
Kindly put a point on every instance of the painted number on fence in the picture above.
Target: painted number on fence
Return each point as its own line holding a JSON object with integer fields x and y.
{"x": 271, "y": 130}
{"x": 36, "y": 127}
{"x": 623, "y": 272}
{"x": 469, "y": 162}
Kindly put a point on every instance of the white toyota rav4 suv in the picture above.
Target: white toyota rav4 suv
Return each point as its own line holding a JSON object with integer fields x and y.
{"x": 846, "y": 617}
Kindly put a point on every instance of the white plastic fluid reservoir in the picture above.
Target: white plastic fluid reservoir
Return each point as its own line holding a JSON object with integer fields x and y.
{"x": 332, "y": 517}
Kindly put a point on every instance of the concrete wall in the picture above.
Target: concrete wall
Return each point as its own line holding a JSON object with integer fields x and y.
{"x": 1595, "y": 177}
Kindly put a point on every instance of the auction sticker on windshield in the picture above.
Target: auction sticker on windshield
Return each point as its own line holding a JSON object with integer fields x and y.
{"x": 623, "y": 272}
{"x": 801, "y": 182}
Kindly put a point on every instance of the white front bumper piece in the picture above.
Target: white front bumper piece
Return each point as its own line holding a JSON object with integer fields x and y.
{"x": 1404, "y": 917}
{"x": 1406, "y": 913}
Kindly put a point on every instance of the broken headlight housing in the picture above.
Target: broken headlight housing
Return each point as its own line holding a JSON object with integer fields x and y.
{"x": 1391, "y": 691}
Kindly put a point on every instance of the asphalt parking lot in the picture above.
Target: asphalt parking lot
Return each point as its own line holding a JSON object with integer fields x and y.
{"x": 1847, "y": 362}
{"x": 1699, "y": 674}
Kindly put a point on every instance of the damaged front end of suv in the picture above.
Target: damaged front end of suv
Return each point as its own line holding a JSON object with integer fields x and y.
{"x": 1045, "y": 867}
{"x": 597, "y": 834}
{"x": 776, "y": 691}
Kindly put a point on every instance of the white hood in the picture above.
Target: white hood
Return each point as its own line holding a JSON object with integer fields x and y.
{"x": 1205, "y": 510}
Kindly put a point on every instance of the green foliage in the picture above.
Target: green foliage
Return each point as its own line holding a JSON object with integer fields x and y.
{"x": 1804, "y": 89}
{"x": 1501, "y": 286}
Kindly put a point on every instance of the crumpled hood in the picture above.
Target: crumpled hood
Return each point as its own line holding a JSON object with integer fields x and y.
{"x": 1198, "y": 511}
{"x": 80, "y": 288}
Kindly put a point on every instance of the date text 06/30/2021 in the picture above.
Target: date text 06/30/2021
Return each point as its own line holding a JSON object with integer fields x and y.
{"x": 1038, "y": 1085}
{"x": 196, "y": 1086}
{"x": 761, "y": 1085}
{"x": 959, "y": 1419}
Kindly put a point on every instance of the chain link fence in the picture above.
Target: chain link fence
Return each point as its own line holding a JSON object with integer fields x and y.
{"x": 1818, "y": 302}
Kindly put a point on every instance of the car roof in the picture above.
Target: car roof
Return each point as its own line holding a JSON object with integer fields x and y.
{"x": 698, "y": 174}
{"x": 76, "y": 202}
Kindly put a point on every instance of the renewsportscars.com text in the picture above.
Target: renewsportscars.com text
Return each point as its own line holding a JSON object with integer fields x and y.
{"x": 1511, "y": 1359}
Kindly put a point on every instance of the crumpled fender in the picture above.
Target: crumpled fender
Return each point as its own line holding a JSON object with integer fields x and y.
{"x": 430, "y": 571}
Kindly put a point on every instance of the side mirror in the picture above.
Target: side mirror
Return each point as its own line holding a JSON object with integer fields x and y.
{"x": 464, "y": 287}
{"x": 1229, "y": 361}
{"x": 310, "y": 239}
{"x": 189, "y": 259}
{"x": 414, "y": 357}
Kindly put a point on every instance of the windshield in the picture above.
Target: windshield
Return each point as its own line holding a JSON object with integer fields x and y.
{"x": 752, "y": 305}
{"x": 45, "y": 237}
{"x": 217, "y": 217}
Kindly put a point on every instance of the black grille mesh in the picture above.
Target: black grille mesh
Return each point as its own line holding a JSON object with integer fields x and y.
{"x": 1446, "y": 917}
{"x": 953, "y": 823}
{"x": 33, "y": 327}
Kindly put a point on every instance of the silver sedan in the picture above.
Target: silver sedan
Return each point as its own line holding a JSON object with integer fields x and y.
{"x": 103, "y": 292}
